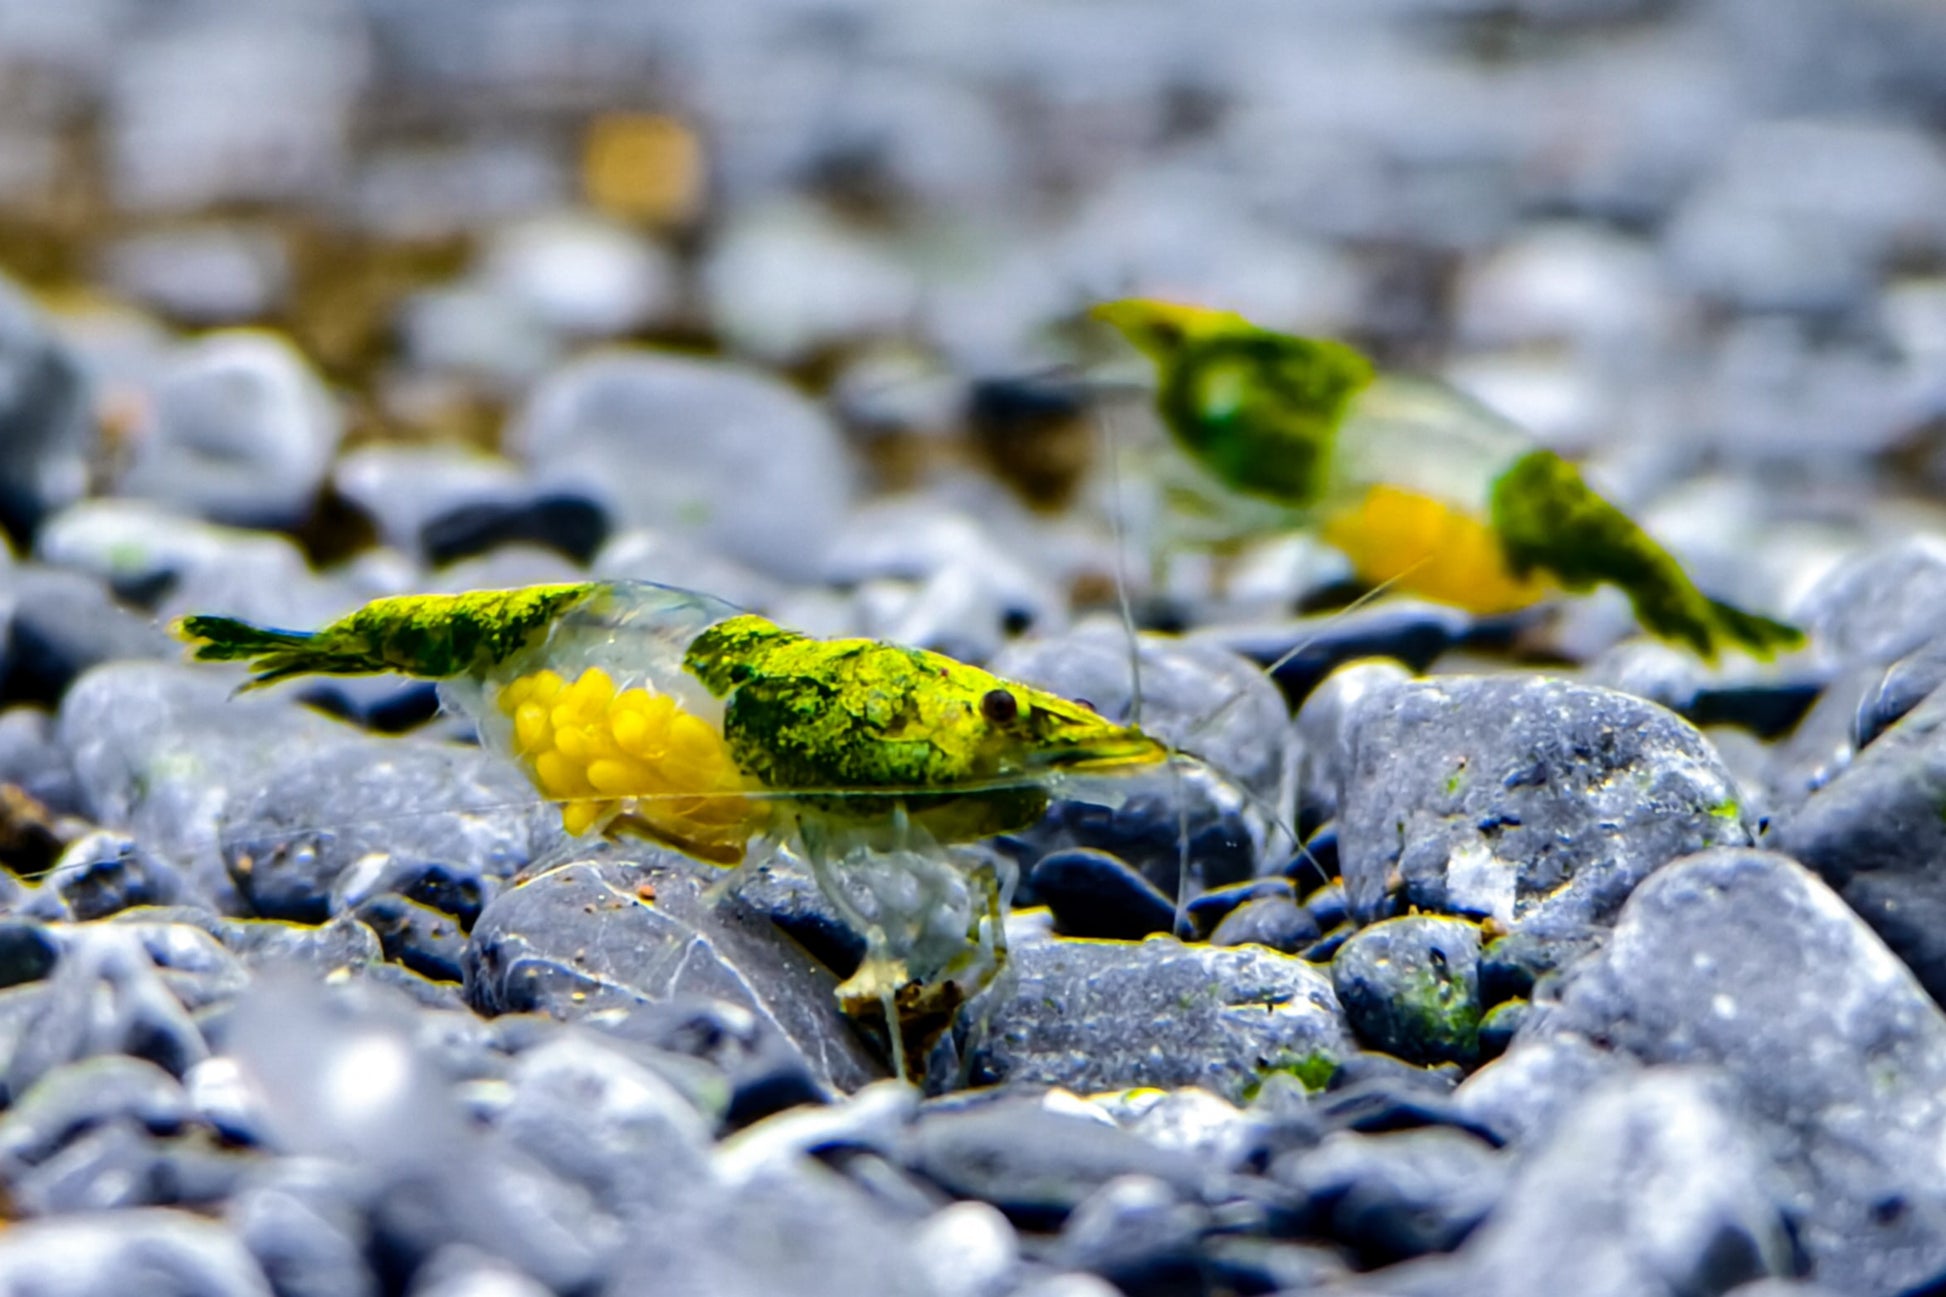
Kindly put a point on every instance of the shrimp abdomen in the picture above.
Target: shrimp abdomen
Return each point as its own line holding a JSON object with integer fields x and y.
{"x": 431, "y": 636}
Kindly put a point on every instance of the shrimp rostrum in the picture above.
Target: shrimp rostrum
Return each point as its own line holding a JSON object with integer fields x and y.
{"x": 644, "y": 709}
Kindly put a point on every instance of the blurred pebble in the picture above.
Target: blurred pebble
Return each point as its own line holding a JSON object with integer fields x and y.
{"x": 728, "y": 456}
{"x": 157, "y": 1250}
{"x": 580, "y": 276}
{"x": 202, "y": 275}
{"x": 239, "y": 429}
{"x": 47, "y": 430}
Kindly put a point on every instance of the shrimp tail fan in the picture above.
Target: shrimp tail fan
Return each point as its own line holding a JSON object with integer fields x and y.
{"x": 273, "y": 654}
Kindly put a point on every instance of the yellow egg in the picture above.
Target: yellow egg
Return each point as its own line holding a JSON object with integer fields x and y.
{"x": 544, "y": 687}
{"x": 609, "y": 776}
{"x": 532, "y": 732}
{"x": 573, "y": 744}
{"x": 578, "y": 817}
{"x": 558, "y": 777}
{"x": 516, "y": 693}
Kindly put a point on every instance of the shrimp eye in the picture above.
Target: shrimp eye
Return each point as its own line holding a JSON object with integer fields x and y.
{"x": 999, "y": 706}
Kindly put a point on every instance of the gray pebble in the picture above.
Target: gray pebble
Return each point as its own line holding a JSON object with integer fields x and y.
{"x": 1411, "y": 987}
{"x": 1096, "y": 1015}
{"x": 1539, "y": 803}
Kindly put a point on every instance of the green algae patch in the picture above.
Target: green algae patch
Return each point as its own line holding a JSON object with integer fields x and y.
{"x": 1313, "y": 1071}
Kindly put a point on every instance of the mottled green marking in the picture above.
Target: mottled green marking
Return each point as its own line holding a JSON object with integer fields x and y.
{"x": 856, "y": 714}
{"x": 1259, "y": 410}
{"x": 1552, "y": 521}
{"x": 432, "y": 636}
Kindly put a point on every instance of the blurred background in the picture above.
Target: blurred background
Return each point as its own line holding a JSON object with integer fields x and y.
{"x": 1699, "y": 242}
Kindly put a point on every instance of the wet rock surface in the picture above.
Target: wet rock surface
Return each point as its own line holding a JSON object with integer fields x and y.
{"x": 1537, "y": 803}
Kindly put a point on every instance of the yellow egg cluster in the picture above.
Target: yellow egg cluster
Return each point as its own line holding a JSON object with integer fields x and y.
{"x": 601, "y": 752}
{"x": 1432, "y": 550}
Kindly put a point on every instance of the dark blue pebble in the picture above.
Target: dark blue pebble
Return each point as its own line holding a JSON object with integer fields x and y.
{"x": 1096, "y": 894}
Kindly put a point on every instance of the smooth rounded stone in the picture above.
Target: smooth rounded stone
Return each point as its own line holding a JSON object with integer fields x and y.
{"x": 1411, "y": 987}
{"x": 298, "y": 1219}
{"x": 1526, "y": 1092}
{"x": 1904, "y": 685}
{"x": 47, "y": 417}
{"x": 792, "y": 900}
{"x": 426, "y": 941}
{"x": 119, "y": 1165}
{"x": 1535, "y": 802}
{"x": 1832, "y": 1052}
{"x": 969, "y": 1250}
{"x": 158, "y": 750}
{"x": 1038, "y": 1165}
{"x": 31, "y": 759}
{"x": 1500, "y": 1024}
{"x": 109, "y": 1253}
{"x": 1328, "y": 905}
{"x": 1397, "y": 1196}
{"x": 787, "y": 279}
{"x": 404, "y": 488}
{"x": 1214, "y": 905}
{"x": 1098, "y": 1015}
{"x": 461, "y": 1271}
{"x": 219, "y": 1095}
{"x": 475, "y": 333}
{"x": 343, "y": 943}
{"x": 624, "y": 927}
{"x": 1880, "y": 604}
{"x": 63, "y": 623}
{"x": 202, "y": 275}
{"x": 1669, "y": 677}
{"x": 104, "y": 997}
{"x": 105, "y": 872}
{"x": 1574, "y": 282}
{"x": 1764, "y": 234}
{"x": 1324, "y": 729}
{"x": 1193, "y": 1120}
{"x": 1095, "y": 894}
{"x": 732, "y": 459}
{"x": 939, "y": 545}
{"x": 1875, "y": 833}
{"x": 238, "y": 429}
{"x": 564, "y": 521}
{"x": 28, "y": 952}
{"x": 1514, "y": 965}
{"x": 727, "y": 1059}
{"x": 424, "y": 878}
{"x": 1233, "y": 786}
{"x": 79, "y": 1097}
{"x": 1135, "y": 1232}
{"x": 1654, "y": 1183}
{"x": 344, "y": 1075}
{"x": 144, "y": 552}
{"x": 790, "y": 1227}
{"x": 648, "y": 554}
{"x": 593, "y": 1116}
{"x": 1275, "y": 922}
{"x": 580, "y": 275}
{"x": 1301, "y": 656}
{"x": 429, "y": 818}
